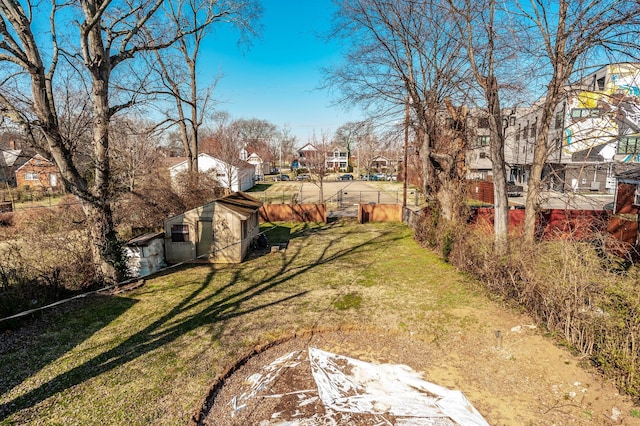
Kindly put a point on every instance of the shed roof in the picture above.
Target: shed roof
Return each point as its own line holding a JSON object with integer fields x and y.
{"x": 240, "y": 203}
{"x": 145, "y": 239}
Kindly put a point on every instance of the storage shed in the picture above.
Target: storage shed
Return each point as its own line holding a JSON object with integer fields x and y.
{"x": 220, "y": 231}
{"x": 145, "y": 254}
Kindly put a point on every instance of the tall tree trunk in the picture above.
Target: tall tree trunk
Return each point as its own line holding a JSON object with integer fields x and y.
{"x": 106, "y": 249}
{"x": 108, "y": 259}
{"x": 498, "y": 168}
{"x": 540, "y": 154}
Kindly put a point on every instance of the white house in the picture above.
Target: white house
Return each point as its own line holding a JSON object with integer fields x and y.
{"x": 257, "y": 162}
{"x": 236, "y": 177}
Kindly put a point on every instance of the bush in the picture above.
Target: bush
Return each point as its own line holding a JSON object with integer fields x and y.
{"x": 47, "y": 258}
{"x": 567, "y": 285}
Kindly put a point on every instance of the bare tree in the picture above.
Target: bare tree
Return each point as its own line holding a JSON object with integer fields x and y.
{"x": 178, "y": 71}
{"x": 315, "y": 160}
{"x": 403, "y": 54}
{"x": 102, "y": 40}
{"x": 133, "y": 149}
{"x": 283, "y": 145}
{"x": 256, "y": 136}
{"x": 226, "y": 144}
{"x": 348, "y": 136}
{"x": 562, "y": 34}
{"x": 488, "y": 53}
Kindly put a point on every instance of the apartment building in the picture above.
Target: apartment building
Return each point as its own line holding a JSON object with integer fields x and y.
{"x": 595, "y": 133}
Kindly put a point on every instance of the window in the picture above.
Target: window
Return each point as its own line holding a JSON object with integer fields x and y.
{"x": 482, "y": 141}
{"x": 600, "y": 83}
{"x": 585, "y": 112}
{"x": 31, "y": 176}
{"x": 512, "y": 120}
{"x": 533, "y": 131}
{"x": 629, "y": 145}
{"x": 518, "y": 134}
{"x": 525, "y": 132}
{"x": 483, "y": 123}
{"x": 559, "y": 120}
{"x": 180, "y": 233}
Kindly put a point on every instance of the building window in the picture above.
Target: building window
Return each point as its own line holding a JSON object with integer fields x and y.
{"x": 585, "y": 112}
{"x": 31, "y": 176}
{"x": 525, "y": 132}
{"x": 483, "y": 123}
{"x": 482, "y": 141}
{"x": 629, "y": 145}
{"x": 533, "y": 131}
{"x": 559, "y": 120}
{"x": 600, "y": 83}
{"x": 180, "y": 233}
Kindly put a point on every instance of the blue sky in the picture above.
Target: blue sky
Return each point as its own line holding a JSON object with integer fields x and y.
{"x": 277, "y": 79}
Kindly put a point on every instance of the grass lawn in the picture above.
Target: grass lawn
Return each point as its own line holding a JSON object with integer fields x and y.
{"x": 149, "y": 356}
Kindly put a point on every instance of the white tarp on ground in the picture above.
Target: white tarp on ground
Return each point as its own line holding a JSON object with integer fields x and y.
{"x": 347, "y": 384}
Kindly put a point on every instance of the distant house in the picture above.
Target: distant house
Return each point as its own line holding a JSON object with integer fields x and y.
{"x": 381, "y": 163}
{"x": 235, "y": 177}
{"x": 306, "y": 155}
{"x": 256, "y": 161}
{"x": 37, "y": 173}
{"x": 220, "y": 231}
{"x": 8, "y": 164}
{"x": 335, "y": 157}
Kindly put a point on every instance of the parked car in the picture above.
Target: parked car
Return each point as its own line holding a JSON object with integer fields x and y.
{"x": 345, "y": 177}
{"x": 514, "y": 190}
{"x": 281, "y": 177}
{"x": 303, "y": 176}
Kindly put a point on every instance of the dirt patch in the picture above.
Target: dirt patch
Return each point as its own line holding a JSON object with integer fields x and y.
{"x": 514, "y": 378}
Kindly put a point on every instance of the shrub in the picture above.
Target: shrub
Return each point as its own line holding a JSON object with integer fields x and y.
{"x": 47, "y": 258}
{"x": 570, "y": 286}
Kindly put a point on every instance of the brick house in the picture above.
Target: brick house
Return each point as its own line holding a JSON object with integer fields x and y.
{"x": 37, "y": 173}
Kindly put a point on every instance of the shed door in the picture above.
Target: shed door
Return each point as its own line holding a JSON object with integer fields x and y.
{"x": 205, "y": 237}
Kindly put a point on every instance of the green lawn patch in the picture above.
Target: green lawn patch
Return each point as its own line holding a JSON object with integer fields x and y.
{"x": 149, "y": 356}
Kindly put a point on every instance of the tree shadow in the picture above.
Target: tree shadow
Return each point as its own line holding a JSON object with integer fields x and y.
{"x": 27, "y": 349}
{"x": 227, "y": 301}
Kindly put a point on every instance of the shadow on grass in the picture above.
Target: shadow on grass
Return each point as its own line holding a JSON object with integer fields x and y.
{"x": 260, "y": 187}
{"x": 65, "y": 328}
{"x": 229, "y": 300}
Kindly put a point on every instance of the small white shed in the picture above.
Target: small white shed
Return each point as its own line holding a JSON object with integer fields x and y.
{"x": 145, "y": 254}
